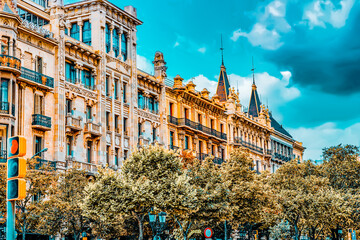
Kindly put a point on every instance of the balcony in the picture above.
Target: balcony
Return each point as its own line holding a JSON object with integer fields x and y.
{"x": 90, "y": 168}
{"x": 218, "y": 160}
{"x": 43, "y": 164}
{"x": 93, "y": 129}
{"x": 196, "y": 126}
{"x": 201, "y": 156}
{"x": 252, "y": 147}
{"x": 3, "y": 156}
{"x": 172, "y": 147}
{"x": 41, "y": 122}
{"x": 38, "y": 79}
{"x": 4, "y": 108}
{"x": 73, "y": 123}
{"x": 10, "y": 64}
{"x": 278, "y": 156}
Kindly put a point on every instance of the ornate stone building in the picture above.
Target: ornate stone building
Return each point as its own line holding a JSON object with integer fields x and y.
{"x": 70, "y": 85}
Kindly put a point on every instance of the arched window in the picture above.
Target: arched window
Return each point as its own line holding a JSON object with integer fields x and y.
{"x": 124, "y": 46}
{"x": 75, "y": 31}
{"x": 107, "y": 38}
{"x": 116, "y": 42}
{"x": 86, "y": 33}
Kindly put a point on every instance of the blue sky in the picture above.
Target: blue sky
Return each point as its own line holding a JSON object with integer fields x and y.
{"x": 306, "y": 54}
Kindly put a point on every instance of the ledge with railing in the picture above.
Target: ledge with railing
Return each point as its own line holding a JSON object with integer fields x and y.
{"x": 73, "y": 122}
{"x": 173, "y": 147}
{"x": 249, "y": 145}
{"x": 218, "y": 160}
{"x": 37, "y": 77}
{"x": 196, "y": 126}
{"x": 92, "y": 128}
{"x": 281, "y": 157}
{"x": 4, "y": 107}
{"x": 41, "y": 121}
{"x": 201, "y": 156}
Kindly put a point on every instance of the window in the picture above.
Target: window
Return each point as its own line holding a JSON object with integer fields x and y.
{"x": 186, "y": 113}
{"x": 116, "y": 42}
{"x": 151, "y": 104}
{"x": 139, "y": 129}
{"x": 116, "y": 123}
{"x": 116, "y": 82}
{"x": 5, "y": 45}
{"x": 171, "y": 139}
{"x": 125, "y": 126}
{"x": 40, "y": 2}
{"x": 125, "y": 154}
{"x": 124, "y": 92}
{"x": 107, "y": 90}
{"x": 212, "y": 123}
{"x": 88, "y": 113}
{"x": 107, "y": 38}
{"x": 88, "y": 151}
{"x": 108, "y": 154}
{"x": 69, "y": 146}
{"x": 124, "y": 47}
{"x": 200, "y": 118}
{"x": 107, "y": 120}
{"x": 221, "y": 128}
{"x": 4, "y": 92}
{"x": 70, "y": 72}
{"x": 39, "y": 65}
{"x": 213, "y": 150}
{"x": 186, "y": 142}
{"x": 116, "y": 157}
{"x": 154, "y": 134}
{"x": 38, "y": 104}
{"x": 38, "y": 145}
{"x": 86, "y": 33}
{"x": 87, "y": 79}
{"x": 68, "y": 106}
{"x": 156, "y": 107}
{"x": 75, "y": 31}
{"x": 25, "y": 15}
{"x": 141, "y": 100}
{"x": 171, "y": 109}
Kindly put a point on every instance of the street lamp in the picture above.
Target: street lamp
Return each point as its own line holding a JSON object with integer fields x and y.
{"x": 157, "y": 224}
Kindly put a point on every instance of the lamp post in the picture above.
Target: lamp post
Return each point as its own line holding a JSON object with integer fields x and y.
{"x": 157, "y": 224}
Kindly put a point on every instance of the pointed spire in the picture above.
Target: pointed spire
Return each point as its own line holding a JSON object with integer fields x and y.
{"x": 223, "y": 87}
{"x": 254, "y": 105}
{"x": 222, "y": 52}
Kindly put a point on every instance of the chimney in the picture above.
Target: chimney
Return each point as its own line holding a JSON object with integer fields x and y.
{"x": 159, "y": 65}
{"x": 178, "y": 82}
{"x": 131, "y": 10}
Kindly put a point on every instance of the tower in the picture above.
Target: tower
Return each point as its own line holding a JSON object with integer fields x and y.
{"x": 159, "y": 65}
{"x": 254, "y": 105}
{"x": 223, "y": 87}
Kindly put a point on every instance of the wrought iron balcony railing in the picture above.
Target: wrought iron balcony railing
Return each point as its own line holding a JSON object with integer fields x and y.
{"x": 4, "y": 107}
{"x": 197, "y": 126}
{"x": 41, "y": 121}
{"x": 3, "y": 156}
{"x": 37, "y": 77}
{"x": 281, "y": 157}
{"x": 218, "y": 160}
{"x": 172, "y": 147}
{"x": 201, "y": 156}
{"x": 248, "y": 145}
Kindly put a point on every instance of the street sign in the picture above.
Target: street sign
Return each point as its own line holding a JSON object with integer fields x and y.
{"x": 208, "y": 232}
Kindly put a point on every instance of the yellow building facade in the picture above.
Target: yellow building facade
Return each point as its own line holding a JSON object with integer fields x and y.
{"x": 70, "y": 85}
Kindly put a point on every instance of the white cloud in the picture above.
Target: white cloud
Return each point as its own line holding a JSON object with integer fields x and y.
{"x": 270, "y": 26}
{"x": 144, "y": 64}
{"x": 202, "y": 49}
{"x": 320, "y": 12}
{"x": 176, "y": 44}
{"x": 325, "y": 135}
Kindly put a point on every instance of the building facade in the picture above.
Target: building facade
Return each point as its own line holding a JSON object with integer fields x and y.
{"x": 69, "y": 83}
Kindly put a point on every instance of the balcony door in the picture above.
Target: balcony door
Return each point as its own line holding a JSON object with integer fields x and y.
{"x": 38, "y": 104}
{"x": 38, "y": 145}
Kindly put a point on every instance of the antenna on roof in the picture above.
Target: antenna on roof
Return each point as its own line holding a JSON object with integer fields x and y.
{"x": 222, "y": 51}
{"x": 253, "y": 70}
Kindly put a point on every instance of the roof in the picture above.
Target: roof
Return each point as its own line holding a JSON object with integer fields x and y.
{"x": 223, "y": 87}
{"x": 278, "y": 127}
{"x": 254, "y": 105}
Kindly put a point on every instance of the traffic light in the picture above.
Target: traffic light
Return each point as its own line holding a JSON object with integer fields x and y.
{"x": 16, "y": 189}
{"x": 16, "y": 147}
{"x": 16, "y": 168}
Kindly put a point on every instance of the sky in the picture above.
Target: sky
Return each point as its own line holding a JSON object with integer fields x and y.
{"x": 306, "y": 56}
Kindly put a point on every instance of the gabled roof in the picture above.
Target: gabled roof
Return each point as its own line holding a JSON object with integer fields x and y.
{"x": 223, "y": 87}
{"x": 254, "y": 105}
{"x": 278, "y": 127}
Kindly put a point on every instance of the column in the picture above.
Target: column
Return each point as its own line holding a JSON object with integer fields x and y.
{"x": 80, "y": 24}
{"x": 111, "y": 39}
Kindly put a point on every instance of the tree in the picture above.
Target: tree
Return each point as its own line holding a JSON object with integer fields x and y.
{"x": 248, "y": 196}
{"x": 61, "y": 211}
{"x": 208, "y": 205}
{"x": 151, "y": 179}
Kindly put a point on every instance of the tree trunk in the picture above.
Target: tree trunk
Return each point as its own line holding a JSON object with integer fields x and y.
{"x": 24, "y": 230}
{"x": 296, "y": 232}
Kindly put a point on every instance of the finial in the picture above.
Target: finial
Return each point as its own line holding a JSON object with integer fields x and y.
{"x": 253, "y": 70}
{"x": 222, "y": 52}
